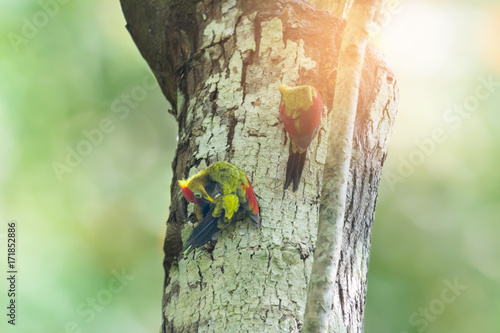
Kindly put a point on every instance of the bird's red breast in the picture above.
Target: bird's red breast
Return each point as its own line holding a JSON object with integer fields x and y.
{"x": 301, "y": 109}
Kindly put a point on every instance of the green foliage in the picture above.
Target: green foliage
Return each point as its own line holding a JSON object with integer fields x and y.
{"x": 439, "y": 221}
{"x": 77, "y": 90}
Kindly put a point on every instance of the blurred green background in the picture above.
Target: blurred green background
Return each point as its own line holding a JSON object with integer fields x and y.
{"x": 83, "y": 221}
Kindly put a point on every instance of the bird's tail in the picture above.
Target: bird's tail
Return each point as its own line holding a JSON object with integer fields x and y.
{"x": 203, "y": 232}
{"x": 294, "y": 168}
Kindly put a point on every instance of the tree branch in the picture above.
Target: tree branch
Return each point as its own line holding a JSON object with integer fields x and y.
{"x": 336, "y": 173}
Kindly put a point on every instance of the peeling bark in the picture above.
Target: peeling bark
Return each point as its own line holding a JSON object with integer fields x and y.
{"x": 219, "y": 64}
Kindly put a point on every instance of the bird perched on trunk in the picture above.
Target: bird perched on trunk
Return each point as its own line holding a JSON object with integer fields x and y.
{"x": 221, "y": 194}
{"x": 300, "y": 109}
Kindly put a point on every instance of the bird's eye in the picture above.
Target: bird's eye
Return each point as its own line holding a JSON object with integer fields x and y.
{"x": 197, "y": 195}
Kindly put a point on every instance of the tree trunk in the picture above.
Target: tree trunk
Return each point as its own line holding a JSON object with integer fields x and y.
{"x": 322, "y": 285}
{"x": 339, "y": 8}
{"x": 219, "y": 64}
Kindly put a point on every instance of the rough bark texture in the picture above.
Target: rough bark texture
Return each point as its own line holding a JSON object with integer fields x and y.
{"x": 339, "y": 8}
{"x": 318, "y": 315}
{"x": 219, "y": 64}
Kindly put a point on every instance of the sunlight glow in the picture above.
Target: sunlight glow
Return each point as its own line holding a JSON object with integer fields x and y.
{"x": 419, "y": 38}
{"x": 488, "y": 37}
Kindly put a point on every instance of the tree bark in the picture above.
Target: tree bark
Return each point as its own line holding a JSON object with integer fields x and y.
{"x": 339, "y": 8}
{"x": 336, "y": 172}
{"x": 219, "y": 64}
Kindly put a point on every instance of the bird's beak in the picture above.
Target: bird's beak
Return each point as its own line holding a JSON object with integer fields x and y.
{"x": 206, "y": 196}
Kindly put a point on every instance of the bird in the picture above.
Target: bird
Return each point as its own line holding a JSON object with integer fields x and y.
{"x": 301, "y": 109}
{"x": 221, "y": 194}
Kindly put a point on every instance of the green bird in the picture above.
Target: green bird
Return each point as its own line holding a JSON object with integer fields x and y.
{"x": 222, "y": 194}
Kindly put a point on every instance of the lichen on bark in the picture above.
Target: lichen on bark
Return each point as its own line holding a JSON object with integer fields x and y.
{"x": 219, "y": 63}
{"x": 243, "y": 274}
